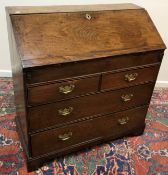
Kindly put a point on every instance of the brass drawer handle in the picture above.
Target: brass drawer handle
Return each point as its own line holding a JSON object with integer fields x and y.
{"x": 66, "y": 89}
{"x": 65, "y": 111}
{"x": 123, "y": 121}
{"x": 127, "y": 97}
{"x": 65, "y": 136}
{"x": 131, "y": 77}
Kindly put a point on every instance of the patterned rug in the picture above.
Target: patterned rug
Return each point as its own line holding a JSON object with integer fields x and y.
{"x": 142, "y": 155}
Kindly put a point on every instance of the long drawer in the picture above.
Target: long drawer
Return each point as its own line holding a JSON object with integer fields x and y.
{"x": 80, "y": 133}
{"x": 101, "y": 103}
{"x": 74, "y": 69}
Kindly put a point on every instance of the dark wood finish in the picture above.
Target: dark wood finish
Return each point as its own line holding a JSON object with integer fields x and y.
{"x": 51, "y": 47}
{"x": 93, "y": 130}
{"x": 119, "y": 80}
{"x": 67, "y": 37}
{"x": 51, "y": 91}
{"x": 69, "y": 8}
{"x": 35, "y": 163}
{"x": 18, "y": 84}
{"x": 74, "y": 69}
{"x": 48, "y": 115}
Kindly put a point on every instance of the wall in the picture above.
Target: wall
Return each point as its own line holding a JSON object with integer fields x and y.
{"x": 158, "y": 11}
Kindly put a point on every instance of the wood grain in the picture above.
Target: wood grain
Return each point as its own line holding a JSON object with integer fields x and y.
{"x": 94, "y": 129}
{"x": 118, "y": 80}
{"x": 81, "y": 68}
{"x": 102, "y": 103}
{"x": 95, "y": 46}
{"x": 18, "y": 84}
{"x": 69, "y": 8}
{"x": 51, "y": 91}
{"x": 65, "y": 37}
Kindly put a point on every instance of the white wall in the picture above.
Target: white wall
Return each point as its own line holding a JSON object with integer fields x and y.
{"x": 158, "y": 11}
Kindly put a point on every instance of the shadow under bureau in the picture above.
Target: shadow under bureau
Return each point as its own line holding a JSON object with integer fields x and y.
{"x": 82, "y": 75}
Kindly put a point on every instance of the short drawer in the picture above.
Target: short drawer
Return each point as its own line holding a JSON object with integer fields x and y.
{"x": 80, "y": 68}
{"x": 58, "y": 91}
{"x": 101, "y": 103}
{"x": 129, "y": 78}
{"x": 61, "y": 139}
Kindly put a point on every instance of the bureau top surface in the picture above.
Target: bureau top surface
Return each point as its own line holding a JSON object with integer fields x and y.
{"x": 59, "y": 34}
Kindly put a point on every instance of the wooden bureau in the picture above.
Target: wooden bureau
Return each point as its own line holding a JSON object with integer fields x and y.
{"x": 82, "y": 75}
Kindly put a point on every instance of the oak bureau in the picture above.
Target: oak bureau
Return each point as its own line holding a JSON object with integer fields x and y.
{"x": 82, "y": 75}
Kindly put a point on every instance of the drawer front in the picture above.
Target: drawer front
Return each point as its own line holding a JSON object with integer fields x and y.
{"x": 74, "y": 135}
{"x": 59, "y": 91}
{"x": 102, "y": 103}
{"x": 129, "y": 78}
{"x": 74, "y": 69}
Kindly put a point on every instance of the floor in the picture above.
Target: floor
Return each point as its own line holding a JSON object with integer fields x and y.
{"x": 142, "y": 155}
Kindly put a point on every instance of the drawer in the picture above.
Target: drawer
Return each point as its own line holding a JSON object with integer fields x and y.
{"x": 129, "y": 78}
{"x": 73, "y": 69}
{"x": 64, "y": 112}
{"x": 58, "y": 91}
{"x": 61, "y": 139}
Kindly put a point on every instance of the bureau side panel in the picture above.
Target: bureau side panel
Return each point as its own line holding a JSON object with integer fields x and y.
{"x": 18, "y": 84}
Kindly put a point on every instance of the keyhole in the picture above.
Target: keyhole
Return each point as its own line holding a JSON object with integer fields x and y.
{"x": 88, "y": 17}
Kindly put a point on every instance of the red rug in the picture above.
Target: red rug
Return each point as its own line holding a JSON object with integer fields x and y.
{"x": 143, "y": 155}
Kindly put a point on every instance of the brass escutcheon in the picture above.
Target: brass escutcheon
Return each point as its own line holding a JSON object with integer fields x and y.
{"x": 88, "y": 16}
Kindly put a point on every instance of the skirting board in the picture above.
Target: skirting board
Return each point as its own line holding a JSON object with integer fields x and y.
{"x": 5, "y": 73}
{"x": 8, "y": 73}
{"x": 162, "y": 84}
